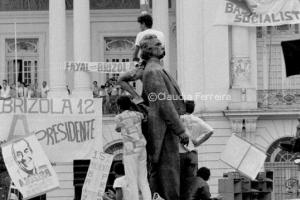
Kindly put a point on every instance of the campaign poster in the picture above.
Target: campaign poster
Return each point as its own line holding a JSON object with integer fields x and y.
{"x": 97, "y": 175}
{"x": 28, "y": 167}
{"x": 67, "y": 128}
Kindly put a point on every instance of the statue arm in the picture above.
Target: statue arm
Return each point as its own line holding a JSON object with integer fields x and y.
{"x": 124, "y": 80}
{"x": 135, "y": 53}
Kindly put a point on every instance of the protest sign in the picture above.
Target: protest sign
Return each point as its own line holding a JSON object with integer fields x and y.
{"x": 243, "y": 156}
{"x": 258, "y": 13}
{"x": 67, "y": 129}
{"x": 100, "y": 67}
{"x": 97, "y": 175}
{"x": 29, "y": 167}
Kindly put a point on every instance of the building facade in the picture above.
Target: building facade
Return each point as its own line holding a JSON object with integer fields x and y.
{"x": 235, "y": 74}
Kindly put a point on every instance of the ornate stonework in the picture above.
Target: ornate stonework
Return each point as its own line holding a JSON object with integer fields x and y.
{"x": 241, "y": 72}
{"x": 250, "y": 124}
{"x": 119, "y": 44}
{"x": 280, "y": 98}
{"x": 23, "y": 45}
{"x": 237, "y": 125}
{"x": 246, "y": 124}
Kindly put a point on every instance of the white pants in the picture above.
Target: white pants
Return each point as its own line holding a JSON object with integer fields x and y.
{"x": 136, "y": 174}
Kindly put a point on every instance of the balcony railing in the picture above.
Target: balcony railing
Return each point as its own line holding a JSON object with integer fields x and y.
{"x": 279, "y": 98}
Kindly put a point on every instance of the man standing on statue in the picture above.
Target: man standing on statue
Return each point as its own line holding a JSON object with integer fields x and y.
{"x": 145, "y": 22}
{"x": 165, "y": 129}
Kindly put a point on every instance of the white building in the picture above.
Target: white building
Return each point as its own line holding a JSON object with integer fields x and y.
{"x": 237, "y": 74}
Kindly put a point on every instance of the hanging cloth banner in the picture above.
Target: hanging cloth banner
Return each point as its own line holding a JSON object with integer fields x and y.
{"x": 258, "y": 12}
{"x": 67, "y": 128}
{"x": 100, "y": 67}
{"x": 291, "y": 52}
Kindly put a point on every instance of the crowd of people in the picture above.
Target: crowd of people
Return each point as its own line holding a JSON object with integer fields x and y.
{"x": 22, "y": 90}
{"x": 109, "y": 92}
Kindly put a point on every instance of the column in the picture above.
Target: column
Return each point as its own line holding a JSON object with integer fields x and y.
{"x": 243, "y": 85}
{"x": 160, "y": 14}
{"x": 81, "y": 21}
{"x": 189, "y": 46}
{"x": 57, "y": 48}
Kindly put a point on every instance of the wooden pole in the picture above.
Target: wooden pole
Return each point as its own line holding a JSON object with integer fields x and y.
{"x": 16, "y": 53}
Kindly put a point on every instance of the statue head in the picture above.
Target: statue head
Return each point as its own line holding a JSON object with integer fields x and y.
{"x": 151, "y": 46}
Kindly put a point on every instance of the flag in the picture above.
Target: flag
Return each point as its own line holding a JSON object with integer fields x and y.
{"x": 258, "y": 12}
{"x": 261, "y": 6}
{"x": 291, "y": 53}
{"x": 242, "y": 4}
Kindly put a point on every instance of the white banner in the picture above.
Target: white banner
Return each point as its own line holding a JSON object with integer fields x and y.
{"x": 28, "y": 167}
{"x": 97, "y": 175}
{"x": 67, "y": 129}
{"x": 258, "y": 13}
{"x": 100, "y": 67}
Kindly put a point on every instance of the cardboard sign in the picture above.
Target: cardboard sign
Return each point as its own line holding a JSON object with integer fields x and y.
{"x": 97, "y": 175}
{"x": 67, "y": 129}
{"x": 243, "y": 156}
{"x": 29, "y": 167}
{"x": 258, "y": 13}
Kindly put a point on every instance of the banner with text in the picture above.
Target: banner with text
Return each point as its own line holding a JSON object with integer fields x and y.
{"x": 266, "y": 13}
{"x": 67, "y": 129}
{"x": 97, "y": 175}
{"x": 100, "y": 67}
{"x": 29, "y": 167}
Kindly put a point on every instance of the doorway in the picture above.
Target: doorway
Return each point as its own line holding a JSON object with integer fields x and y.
{"x": 22, "y": 65}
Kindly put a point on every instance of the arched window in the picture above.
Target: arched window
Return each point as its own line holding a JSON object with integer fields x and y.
{"x": 285, "y": 181}
{"x": 275, "y": 154}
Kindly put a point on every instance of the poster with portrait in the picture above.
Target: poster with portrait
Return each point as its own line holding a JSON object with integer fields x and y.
{"x": 29, "y": 167}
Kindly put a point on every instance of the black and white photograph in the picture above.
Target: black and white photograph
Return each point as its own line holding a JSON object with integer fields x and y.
{"x": 150, "y": 99}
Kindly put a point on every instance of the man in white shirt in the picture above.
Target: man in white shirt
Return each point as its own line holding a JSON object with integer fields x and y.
{"x": 45, "y": 89}
{"x": 145, "y": 21}
{"x": 198, "y": 131}
{"x": 20, "y": 90}
{"x": 5, "y": 91}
